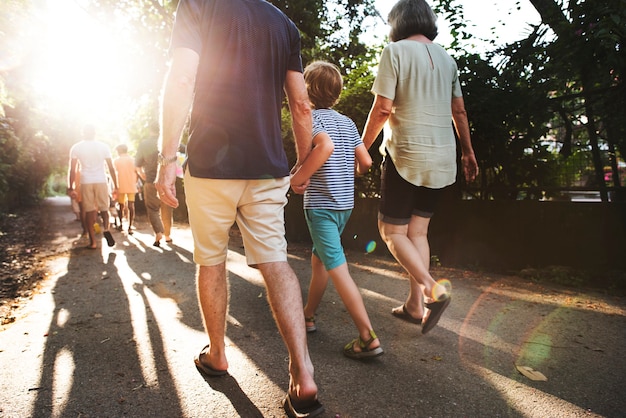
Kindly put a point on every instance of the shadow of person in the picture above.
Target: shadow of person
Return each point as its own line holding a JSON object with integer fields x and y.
{"x": 230, "y": 388}
{"x": 91, "y": 358}
{"x": 169, "y": 273}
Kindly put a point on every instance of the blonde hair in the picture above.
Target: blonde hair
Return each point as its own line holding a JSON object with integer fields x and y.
{"x": 323, "y": 84}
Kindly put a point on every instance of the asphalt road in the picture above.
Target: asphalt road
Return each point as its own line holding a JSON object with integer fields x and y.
{"x": 113, "y": 333}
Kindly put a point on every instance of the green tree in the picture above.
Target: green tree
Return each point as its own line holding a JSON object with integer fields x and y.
{"x": 27, "y": 156}
{"x": 563, "y": 82}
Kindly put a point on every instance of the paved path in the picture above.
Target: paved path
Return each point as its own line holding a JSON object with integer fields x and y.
{"x": 113, "y": 332}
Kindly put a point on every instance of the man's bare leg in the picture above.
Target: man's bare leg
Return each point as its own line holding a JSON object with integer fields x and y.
{"x": 104, "y": 215}
{"x": 131, "y": 216}
{"x": 90, "y": 220}
{"x": 212, "y": 290}
{"x": 285, "y": 298}
{"x": 166, "y": 218}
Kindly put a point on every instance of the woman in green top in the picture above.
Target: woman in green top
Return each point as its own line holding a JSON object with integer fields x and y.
{"x": 417, "y": 91}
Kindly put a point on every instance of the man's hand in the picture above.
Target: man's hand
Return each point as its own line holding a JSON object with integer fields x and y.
{"x": 166, "y": 185}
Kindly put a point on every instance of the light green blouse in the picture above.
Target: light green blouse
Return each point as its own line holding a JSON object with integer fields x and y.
{"x": 421, "y": 79}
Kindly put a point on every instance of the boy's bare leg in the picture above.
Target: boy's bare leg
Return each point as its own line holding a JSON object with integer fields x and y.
{"x": 317, "y": 287}
{"x": 352, "y": 299}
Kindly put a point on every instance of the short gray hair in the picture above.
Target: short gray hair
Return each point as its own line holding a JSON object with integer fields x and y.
{"x": 412, "y": 17}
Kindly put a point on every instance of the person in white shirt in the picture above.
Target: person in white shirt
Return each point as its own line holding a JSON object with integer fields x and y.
{"x": 93, "y": 157}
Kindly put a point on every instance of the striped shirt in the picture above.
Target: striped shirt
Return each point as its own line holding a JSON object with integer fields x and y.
{"x": 332, "y": 186}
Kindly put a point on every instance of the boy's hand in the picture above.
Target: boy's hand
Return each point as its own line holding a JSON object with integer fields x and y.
{"x": 300, "y": 188}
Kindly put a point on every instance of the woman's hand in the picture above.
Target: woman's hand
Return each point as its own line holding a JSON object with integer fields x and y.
{"x": 470, "y": 167}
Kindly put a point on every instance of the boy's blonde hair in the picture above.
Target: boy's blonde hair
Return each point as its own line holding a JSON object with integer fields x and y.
{"x": 323, "y": 83}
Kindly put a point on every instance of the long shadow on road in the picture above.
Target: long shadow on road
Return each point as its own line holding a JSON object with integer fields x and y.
{"x": 124, "y": 325}
{"x": 94, "y": 360}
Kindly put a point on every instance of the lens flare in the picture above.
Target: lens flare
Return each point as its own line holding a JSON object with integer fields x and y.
{"x": 437, "y": 294}
{"x": 370, "y": 247}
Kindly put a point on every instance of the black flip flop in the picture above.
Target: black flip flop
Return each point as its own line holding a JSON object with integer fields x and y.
{"x": 109, "y": 238}
{"x": 406, "y": 316}
{"x": 207, "y": 370}
{"x": 436, "y": 309}
{"x": 305, "y": 409}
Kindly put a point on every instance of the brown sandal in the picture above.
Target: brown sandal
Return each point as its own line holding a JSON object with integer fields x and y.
{"x": 310, "y": 328}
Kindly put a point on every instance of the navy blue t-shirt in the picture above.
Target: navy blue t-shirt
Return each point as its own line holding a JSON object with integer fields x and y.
{"x": 246, "y": 48}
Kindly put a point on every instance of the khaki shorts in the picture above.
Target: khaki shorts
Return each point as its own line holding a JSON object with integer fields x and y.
{"x": 95, "y": 197}
{"x": 257, "y": 206}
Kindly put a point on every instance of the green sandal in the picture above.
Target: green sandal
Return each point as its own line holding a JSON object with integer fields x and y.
{"x": 310, "y": 328}
{"x": 365, "y": 352}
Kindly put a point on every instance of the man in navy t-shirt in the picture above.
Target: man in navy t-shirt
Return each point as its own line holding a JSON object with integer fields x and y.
{"x": 231, "y": 64}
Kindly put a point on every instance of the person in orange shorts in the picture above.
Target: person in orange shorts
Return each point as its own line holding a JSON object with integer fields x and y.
{"x": 127, "y": 186}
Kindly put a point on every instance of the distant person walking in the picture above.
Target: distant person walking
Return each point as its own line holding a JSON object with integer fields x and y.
{"x": 160, "y": 215}
{"x": 127, "y": 182}
{"x": 92, "y": 157}
{"x": 417, "y": 90}
{"x": 328, "y": 202}
{"x": 235, "y": 60}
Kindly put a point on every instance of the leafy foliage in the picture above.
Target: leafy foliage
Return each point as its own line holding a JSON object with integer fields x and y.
{"x": 549, "y": 103}
{"x": 534, "y": 103}
{"x": 26, "y": 159}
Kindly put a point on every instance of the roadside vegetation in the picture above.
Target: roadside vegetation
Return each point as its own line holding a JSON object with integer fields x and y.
{"x": 547, "y": 113}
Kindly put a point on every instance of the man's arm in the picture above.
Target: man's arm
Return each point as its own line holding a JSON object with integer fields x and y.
{"x": 379, "y": 113}
{"x": 175, "y": 105}
{"x": 112, "y": 172}
{"x": 300, "y": 108}
{"x": 71, "y": 177}
{"x": 141, "y": 173}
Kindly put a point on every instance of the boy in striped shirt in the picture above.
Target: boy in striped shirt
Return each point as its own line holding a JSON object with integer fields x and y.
{"x": 326, "y": 178}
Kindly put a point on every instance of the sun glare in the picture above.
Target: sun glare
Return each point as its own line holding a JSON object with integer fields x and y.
{"x": 82, "y": 66}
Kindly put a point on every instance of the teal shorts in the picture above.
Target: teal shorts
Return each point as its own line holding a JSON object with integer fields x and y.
{"x": 325, "y": 227}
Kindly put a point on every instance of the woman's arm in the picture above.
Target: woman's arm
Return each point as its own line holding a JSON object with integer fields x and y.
{"x": 363, "y": 160}
{"x": 468, "y": 159}
{"x": 379, "y": 113}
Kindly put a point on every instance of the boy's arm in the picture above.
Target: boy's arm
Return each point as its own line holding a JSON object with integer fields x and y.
{"x": 363, "y": 160}
{"x": 323, "y": 147}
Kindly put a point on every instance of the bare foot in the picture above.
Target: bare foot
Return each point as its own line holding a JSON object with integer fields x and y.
{"x": 302, "y": 387}
{"x": 205, "y": 358}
